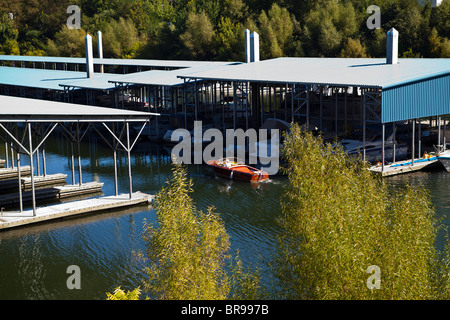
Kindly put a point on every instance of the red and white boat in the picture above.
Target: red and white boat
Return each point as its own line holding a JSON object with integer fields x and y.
{"x": 233, "y": 168}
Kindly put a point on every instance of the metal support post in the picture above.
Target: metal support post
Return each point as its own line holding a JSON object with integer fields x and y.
{"x": 33, "y": 195}
{"x": 129, "y": 160}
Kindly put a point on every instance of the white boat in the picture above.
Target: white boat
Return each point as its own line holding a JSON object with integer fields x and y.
{"x": 373, "y": 146}
{"x": 444, "y": 158}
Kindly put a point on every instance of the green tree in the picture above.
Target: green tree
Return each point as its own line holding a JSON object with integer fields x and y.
{"x": 440, "y": 19}
{"x": 188, "y": 251}
{"x": 67, "y": 43}
{"x": 199, "y": 35}
{"x": 339, "y": 219}
{"x": 376, "y": 43}
{"x": 327, "y": 26}
{"x": 8, "y": 36}
{"x": 353, "y": 49}
{"x": 229, "y": 40}
{"x": 125, "y": 44}
{"x": 276, "y": 31}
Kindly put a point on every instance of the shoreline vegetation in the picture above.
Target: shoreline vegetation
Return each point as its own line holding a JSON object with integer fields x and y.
{"x": 214, "y": 30}
{"x": 346, "y": 236}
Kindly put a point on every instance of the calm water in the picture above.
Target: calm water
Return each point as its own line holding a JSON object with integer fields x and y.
{"x": 34, "y": 260}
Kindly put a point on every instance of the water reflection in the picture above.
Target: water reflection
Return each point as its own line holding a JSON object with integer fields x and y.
{"x": 34, "y": 260}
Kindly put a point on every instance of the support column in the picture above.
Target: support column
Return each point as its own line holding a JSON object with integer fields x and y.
{"x": 413, "y": 151}
{"x": 33, "y": 195}
{"x": 364, "y": 123}
{"x": 129, "y": 160}
{"x": 383, "y": 147}
{"x": 394, "y": 129}
{"x": 439, "y": 131}
{"x": 336, "y": 111}
{"x": 72, "y": 162}
{"x": 116, "y": 187}
{"x": 79, "y": 156}
{"x": 19, "y": 175}
{"x": 420, "y": 140}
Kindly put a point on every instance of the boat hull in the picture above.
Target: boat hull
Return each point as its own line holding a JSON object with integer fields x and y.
{"x": 239, "y": 172}
{"x": 445, "y": 162}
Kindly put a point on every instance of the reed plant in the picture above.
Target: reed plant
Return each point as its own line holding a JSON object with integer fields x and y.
{"x": 341, "y": 222}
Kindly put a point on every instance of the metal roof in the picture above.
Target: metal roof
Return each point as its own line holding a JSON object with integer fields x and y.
{"x": 163, "y": 78}
{"x": 14, "y": 109}
{"x": 419, "y": 99}
{"x": 359, "y": 72}
{"x": 58, "y": 79}
{"x": 100, "y": 81}
{"x": 114, "y": 62}
{"x": 38, "y": 78}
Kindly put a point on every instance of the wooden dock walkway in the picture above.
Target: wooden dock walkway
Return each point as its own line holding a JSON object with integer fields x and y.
{"x": 11, "y": 173}
{"x": 56, "y": 192}
{"x": 11, "y": 185}
{"x": 406, "y": 166}
{"x": 47, "y": 180}
{"x": 11, "y": 219}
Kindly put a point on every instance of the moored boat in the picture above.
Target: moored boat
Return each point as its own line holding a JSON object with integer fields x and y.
{"x": 444, "y": 158}
{"x": 233, "y": 168}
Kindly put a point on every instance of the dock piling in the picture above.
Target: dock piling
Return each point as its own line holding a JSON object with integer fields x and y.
{"x": 30, "y": 139}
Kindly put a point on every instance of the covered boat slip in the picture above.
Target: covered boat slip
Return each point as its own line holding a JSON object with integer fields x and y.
{"x": 112, "y": 65}
{"x": 336, "y": 96}
{"x": 27, "y": 123}
{"x": 339, "y": 95}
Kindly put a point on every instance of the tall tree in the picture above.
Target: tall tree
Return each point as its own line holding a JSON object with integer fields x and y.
{"x": 8, "y": 35}
{"x": 276, "y": 31}
{"x": 199, "y": 35}
{"x": 326, "y": 27}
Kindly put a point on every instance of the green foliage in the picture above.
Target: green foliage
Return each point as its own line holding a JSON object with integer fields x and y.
{"x": 340, "y": 219}
{"x": 124, "y": 44}
{"x": 68, "y": 43}
{"x": 213, "y": 30}
{"x": 353, "y": 49}
{"x": 8, "y": 36}
{"x": 120, "y": 294}
{"x": 276, "y": 28}
{"x": 327, "y": 26}
{"x": 199, "y": 35}
{"x": 188, "y": 250}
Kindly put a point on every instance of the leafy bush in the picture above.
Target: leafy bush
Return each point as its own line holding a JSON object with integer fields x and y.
{"x": 340, "y": 219}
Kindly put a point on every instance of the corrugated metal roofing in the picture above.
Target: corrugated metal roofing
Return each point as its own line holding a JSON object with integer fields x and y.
{"x": 162, "y": 78}
{"x": 358, "y": 72}
{"x": 13, "y": 109}
{"x": 55, "y": 79}
{"x": 415, "y": 100}
{"x": 37, "y": 78}
{"x": 114, "y": 62}
{"x": 100, "y": 81}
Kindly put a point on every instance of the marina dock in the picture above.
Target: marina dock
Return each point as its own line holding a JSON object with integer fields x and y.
{"x": 56, "y": 179}
{"x": 406, "y": 166}
{"x": 55, "y": 192}
{"x": 47, "y": 180}
{"x": 10, "y": 219}
{"x": 11, "y": 173}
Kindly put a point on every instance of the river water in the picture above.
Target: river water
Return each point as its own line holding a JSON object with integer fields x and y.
{"x": 34, "y": 260}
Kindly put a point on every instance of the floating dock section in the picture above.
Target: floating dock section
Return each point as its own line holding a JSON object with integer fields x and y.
{"x": 406, "y": 166}
{"x": 11, "y": 173}
{"x": 55, "y": 192}
{"x": 11, "y": 219}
